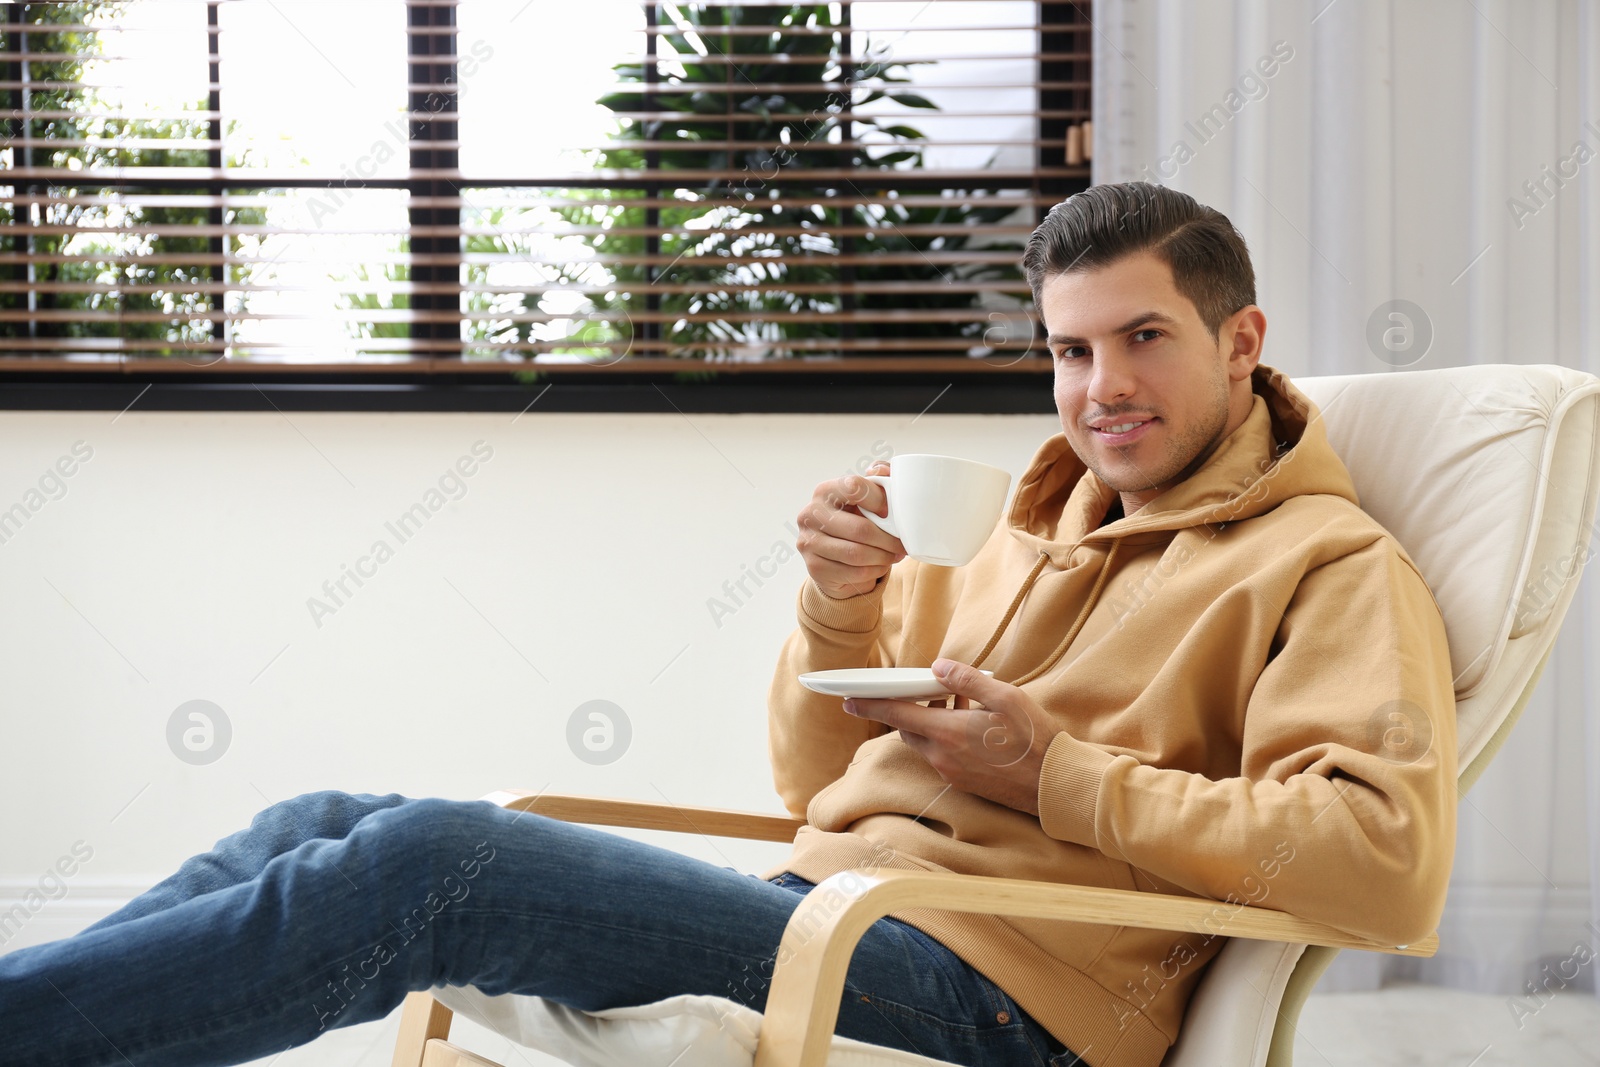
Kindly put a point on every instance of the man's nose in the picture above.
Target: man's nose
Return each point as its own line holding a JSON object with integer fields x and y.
{"x": 1111, "y": 381}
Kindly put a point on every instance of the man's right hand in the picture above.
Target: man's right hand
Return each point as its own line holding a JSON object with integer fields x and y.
{"x": 846, "y": 554}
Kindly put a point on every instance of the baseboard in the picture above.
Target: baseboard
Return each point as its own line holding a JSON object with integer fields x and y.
{"x": 32, "y": 913}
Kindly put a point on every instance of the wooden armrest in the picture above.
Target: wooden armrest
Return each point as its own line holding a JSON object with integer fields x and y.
{"x": 803, "y": 1005}
{"x": 808, "y": 981}
{"x": 647, "y": 815}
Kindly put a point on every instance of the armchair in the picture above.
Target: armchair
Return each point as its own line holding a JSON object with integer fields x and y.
{"x": 1489, "y": 477}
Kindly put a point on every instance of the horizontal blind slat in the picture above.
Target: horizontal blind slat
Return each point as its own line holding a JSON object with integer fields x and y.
{"x": 248, "y": 177}
{"x": 1007, "y": 198}
{"x": 445, "y": 364}
{"x": 405, "y": 288}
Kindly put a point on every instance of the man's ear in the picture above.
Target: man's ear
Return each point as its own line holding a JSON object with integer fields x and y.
{"x": 1242, "y": 335}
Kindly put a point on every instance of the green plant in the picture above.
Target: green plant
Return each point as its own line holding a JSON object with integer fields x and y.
{"x": 758, "y": 256}
{"x": 376, "y": 300}
{"x": 148, "y": 296}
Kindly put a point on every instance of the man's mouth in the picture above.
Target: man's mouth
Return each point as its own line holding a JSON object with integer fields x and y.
{"x": 1122, "y": 431}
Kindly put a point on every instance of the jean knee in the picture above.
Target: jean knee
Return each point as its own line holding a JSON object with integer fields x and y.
{"x": 323, "y": 814}
{"x": 442, "y": 836}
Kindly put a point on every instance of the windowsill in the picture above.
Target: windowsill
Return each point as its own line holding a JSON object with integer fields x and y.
{"x": 816, "y": 393}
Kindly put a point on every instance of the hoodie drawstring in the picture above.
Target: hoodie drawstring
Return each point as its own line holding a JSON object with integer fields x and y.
{"x": 1016, "y": 602}
{"x": 1066, "y": 642}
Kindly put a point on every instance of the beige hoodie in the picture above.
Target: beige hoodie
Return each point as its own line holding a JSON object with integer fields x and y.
{"x": 1254, "y": 693}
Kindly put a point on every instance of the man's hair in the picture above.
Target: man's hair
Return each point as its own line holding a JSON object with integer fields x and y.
{"x": 1210, "y": 263}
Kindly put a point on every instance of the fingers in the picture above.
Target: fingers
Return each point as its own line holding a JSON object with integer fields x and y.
{"x": 966, "y": 681}
{"x": 992, "y": 744}
{"x": 845, "y": 553}
{"x": 845, "y": 496}
{"x": 902, "y": 715}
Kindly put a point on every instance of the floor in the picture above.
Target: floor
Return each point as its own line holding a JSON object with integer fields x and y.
{"x": 1402, "y": 1026}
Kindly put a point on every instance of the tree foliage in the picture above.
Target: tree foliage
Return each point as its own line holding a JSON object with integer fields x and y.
{"x": 146, "y": 238}
{"x": 778, "y": 179}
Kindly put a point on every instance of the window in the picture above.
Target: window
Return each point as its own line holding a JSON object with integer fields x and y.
{"x": 478, "y": 191}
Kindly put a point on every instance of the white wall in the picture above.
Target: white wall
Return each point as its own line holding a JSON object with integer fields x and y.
{"x": 577, "y": 565}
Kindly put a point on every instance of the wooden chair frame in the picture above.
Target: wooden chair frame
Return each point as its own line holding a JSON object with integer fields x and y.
{"x": 797, "y": 1026}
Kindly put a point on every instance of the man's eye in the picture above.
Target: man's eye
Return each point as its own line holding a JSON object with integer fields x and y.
{"x": 1074, "y": 352}
{"x": 1146, "y": 335}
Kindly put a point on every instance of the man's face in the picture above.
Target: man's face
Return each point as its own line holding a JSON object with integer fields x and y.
{"x": 1144, "y": 390}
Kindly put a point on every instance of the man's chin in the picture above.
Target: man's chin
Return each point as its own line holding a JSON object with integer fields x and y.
{"x": 1119, "y": 477}
{"x": 1122, "y": 481}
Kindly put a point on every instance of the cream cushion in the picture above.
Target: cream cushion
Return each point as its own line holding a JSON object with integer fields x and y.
{"x": 720, "y": 1032}
{"x": 1457, "y": 464}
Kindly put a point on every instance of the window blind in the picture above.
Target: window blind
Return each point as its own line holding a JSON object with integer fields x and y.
{"x": 471, "y": 186}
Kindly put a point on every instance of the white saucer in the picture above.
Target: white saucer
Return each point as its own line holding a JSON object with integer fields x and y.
{"x": 878, "y": 683}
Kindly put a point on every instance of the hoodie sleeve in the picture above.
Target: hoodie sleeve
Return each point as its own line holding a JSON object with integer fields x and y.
{"x": 810, "y": 739}
{"x": 1344, "y": 811}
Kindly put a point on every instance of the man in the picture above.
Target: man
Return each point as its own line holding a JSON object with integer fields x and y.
{"x": 1203, "y": 654}
{"x": 1214, "y": 674}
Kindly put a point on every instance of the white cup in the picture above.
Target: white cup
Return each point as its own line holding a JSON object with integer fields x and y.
{"x": 940, "y": 507}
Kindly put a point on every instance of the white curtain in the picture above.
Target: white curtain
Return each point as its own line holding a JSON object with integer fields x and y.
{"x": 1444, "y": 153}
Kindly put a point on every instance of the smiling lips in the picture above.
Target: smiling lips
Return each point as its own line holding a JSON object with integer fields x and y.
{"x": 1121, "y": 429}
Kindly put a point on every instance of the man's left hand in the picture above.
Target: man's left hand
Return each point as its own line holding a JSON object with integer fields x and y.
{"x": 994, "y": 751}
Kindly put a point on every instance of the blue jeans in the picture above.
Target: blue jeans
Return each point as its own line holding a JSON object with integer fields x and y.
{"x": 330, "y": 908}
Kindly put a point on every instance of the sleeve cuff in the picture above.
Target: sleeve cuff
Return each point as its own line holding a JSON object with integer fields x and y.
{"x": 858, "y": 614}
{"x": 1069, "y": 789}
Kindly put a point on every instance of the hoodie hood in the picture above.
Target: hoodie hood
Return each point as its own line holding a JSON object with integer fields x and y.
{"x": 1280, "y": 451}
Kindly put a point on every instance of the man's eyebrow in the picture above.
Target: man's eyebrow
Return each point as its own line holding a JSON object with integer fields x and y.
{"x": 1144, "y": 318}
